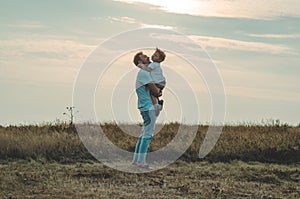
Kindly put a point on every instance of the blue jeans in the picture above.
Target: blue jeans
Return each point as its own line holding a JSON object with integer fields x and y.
{"x": 144, "y": 140}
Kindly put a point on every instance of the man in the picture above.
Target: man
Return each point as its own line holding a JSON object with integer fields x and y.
{"x": 144, "y": 84}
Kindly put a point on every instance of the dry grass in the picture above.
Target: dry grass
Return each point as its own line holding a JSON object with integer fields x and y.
{"x": 31, "y": 179}
{"x": 274, "y": 144}
{"x": 57, "y": 143}
{"x": 31, "y": 158}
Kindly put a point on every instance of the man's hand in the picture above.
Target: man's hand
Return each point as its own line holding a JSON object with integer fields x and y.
{"x": 156, "y": 91}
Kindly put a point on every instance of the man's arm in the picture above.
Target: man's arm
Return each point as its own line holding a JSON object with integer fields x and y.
{"x": 144, "y": 67}
{"x": 156, "y": 91}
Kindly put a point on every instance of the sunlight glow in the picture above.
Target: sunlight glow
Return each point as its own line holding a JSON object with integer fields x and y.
{"x": 177, "y": 6}
{"x": 253, "y": 9}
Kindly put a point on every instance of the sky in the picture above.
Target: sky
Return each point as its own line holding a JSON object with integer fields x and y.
{"x": 254, "y": 44}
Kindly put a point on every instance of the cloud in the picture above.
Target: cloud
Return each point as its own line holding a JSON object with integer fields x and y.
{"x": 230, "y": 44}
{"x": 64, "y": 49}
{"x": 27, "y": 25}
{"x": 254, "y": 9}
{"x": 41, "y": 60}
{"x": 122, "y": 19}
{"x": 276, "y": 36}
{"x": 130, "y": 20}
{"x": 143, "y": 25}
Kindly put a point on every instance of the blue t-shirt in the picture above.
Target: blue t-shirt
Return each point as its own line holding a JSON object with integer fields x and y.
{"x": 143, "y": 93}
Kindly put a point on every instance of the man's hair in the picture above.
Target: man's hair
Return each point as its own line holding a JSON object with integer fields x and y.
{"x": 137, "y": 58}
{"x": 161, "y": 53}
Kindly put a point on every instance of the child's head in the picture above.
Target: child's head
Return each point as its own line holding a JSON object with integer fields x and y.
{"x": 158, "y": 56}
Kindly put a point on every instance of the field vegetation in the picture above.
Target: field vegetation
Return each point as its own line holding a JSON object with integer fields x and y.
{"x": 61, "y": 143}
{"x": 248, "y": 161}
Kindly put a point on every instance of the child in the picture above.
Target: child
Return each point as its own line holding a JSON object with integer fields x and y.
{"x": 157, "y": 76}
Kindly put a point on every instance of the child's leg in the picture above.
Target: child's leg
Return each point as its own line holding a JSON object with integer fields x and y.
{"x": 161, "y": 86}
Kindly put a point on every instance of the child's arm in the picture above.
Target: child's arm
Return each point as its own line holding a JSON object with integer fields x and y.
{"x": 144, "y": 67}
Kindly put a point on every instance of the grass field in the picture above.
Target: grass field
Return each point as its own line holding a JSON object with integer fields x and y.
{"x": 26, "y": 179}
{"x": 249, "y": 161}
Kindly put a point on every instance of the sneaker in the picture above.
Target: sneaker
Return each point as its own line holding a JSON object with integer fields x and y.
{"x": 145, "y": 167}
{"x": 161, "y": 102}
{"x": 134, "y": 164}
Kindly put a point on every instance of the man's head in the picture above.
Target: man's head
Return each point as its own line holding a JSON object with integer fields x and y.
{"x": 158, "y": 56}
{"x": 140, "y": 58}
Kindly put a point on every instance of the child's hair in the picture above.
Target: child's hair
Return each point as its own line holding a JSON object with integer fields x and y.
{"x": 161, "y": 53}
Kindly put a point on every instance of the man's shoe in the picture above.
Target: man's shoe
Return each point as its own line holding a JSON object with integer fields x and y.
{"x": 145, "y": 167}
